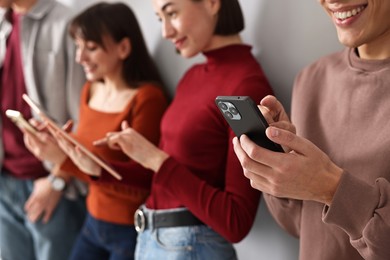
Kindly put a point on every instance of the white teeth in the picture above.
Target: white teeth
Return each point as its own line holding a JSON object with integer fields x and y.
{"x": 347, "y": 14}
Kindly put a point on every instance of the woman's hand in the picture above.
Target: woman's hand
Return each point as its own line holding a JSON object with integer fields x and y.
{"x": 137, "y": 147}
{"x": 79, "y": 158}
{"x": 43, "y": 145}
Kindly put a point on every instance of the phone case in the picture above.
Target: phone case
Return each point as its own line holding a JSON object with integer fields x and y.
{"x": 19, "y": 120}
{"x": 244, "y": 117}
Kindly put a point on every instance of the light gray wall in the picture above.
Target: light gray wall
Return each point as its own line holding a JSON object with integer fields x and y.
{"x": 286, "y": 36}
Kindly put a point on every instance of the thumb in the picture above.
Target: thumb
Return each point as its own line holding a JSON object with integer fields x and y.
{"x": 124, "y": 125}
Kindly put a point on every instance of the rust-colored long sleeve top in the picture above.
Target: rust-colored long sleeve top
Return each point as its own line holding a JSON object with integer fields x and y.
{"x": 109, "y": 201}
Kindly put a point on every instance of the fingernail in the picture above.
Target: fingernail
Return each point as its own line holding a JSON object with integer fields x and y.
{"x": 274, "y": 132}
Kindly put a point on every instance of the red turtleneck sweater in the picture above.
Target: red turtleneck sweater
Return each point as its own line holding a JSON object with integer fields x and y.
{"x": 203, "y": 173}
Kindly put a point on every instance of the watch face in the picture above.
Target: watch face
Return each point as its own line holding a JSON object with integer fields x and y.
{"x": 58, "y": 184}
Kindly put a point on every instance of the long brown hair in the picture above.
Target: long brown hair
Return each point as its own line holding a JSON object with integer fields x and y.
{"x": 118, "y": 21}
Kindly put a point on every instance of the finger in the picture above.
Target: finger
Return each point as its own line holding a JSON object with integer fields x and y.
{"x": 271, "y": 103}
{"x": 33, "y": 211}
{"x": 28, "y": 142}
{"x": 100, "y": 142}
{"x": 248, "y": 163}
{"x": 47, "y": 214}
{"x": 64, "y": 144}
{"x": 124, "y": 125}
{"x": 34, "y": 215}
{"x": 37, "y": 124}
{"x": 52, "y": 131}
{"x": 106, "y": 140}
{"x": 257, "y": 181}
{"x": 290, "y": 140}
{"x": 110, "y": 142}
{"x": 276, "y": 109}
{"x": 28, "y": 204}
{"x": 240, "y": 153}
{"x": 32, "y": 138}
{"x": 259, "y": 156}
{"x": 115, "y": 140}
{"x": 284, "y": 125}
{"x": 44, "y": 137}
{"x": 79, "y": 153}
{"x": 67, "y": 127}
{"x": 266, "y": 113}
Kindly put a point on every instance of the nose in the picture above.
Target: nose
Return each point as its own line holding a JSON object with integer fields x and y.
{"x": 167, "y": 29}
{"x": 80, "y": 55}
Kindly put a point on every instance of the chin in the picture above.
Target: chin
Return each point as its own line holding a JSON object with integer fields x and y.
{"x": 91, "y": 77}
{"x": 186, "y": 54}
{"x": 350, "y": 43}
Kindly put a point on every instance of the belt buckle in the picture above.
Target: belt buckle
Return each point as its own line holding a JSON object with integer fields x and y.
{"x": 139, "y": 221}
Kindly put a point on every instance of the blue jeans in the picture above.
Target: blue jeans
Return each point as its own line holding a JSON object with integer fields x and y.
{"x": 101, "y": 240}
{"x": 189, "y": 243}
{"x": 22, "y": 240}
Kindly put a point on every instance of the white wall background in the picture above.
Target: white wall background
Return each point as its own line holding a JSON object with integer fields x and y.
{"x": 286, "y": 35}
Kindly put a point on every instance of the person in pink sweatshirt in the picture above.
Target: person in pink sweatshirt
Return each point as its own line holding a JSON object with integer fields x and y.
{"x": 331, "y": 188}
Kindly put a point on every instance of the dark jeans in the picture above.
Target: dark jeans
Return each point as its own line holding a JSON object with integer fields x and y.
{"x": 101, "y": 240}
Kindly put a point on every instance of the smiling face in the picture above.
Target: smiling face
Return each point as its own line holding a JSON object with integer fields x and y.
{"x": 188, "y": 24}
{"x": 362, "y": 23}
{"x": 101, "y": 62}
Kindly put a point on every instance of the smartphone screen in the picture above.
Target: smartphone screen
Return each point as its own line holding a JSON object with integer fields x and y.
{"x": 244, "y": 117}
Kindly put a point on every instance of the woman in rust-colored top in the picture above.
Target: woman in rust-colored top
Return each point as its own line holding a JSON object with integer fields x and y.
{"x": 123, "y": 85}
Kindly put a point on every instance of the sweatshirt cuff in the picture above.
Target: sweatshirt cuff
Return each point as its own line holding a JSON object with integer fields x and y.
{"x": 353, "y": 205}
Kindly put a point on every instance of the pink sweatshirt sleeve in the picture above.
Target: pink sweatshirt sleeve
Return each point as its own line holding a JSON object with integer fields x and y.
{"x": 363, "y": 212}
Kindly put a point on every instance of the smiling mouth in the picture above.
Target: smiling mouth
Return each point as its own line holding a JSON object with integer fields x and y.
{"x": 348, "y": 14}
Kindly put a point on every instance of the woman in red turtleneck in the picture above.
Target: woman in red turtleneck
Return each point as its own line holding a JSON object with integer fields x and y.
{"x": 200, "y": 200}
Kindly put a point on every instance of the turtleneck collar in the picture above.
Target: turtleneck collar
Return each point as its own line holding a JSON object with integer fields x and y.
{"x": 226, "y": 54}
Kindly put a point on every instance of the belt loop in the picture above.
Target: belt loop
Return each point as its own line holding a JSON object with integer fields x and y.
{"x": 151, "y": 219}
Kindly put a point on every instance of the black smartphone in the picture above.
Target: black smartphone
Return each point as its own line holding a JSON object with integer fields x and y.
{"x": 244, "y": 117}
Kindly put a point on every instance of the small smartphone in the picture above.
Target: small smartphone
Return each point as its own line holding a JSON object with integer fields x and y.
{"x": 244, "y": 117}
{"x": 19, "y": 120}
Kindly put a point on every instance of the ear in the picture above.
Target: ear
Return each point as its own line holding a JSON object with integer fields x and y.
{"x": 124, "y": 48}
{"x": 214, "y": 6}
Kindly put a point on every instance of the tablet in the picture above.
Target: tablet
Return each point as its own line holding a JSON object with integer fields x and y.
{"x": 36, "y": 108}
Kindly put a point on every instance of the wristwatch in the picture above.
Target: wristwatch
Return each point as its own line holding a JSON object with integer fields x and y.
{"x": 57, "y": 183}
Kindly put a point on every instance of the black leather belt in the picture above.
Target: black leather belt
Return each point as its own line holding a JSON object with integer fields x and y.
{"x": 144, "y": 219}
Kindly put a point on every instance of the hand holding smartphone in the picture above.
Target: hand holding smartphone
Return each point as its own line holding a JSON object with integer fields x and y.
{"x": 34, "y": 106}
{"x": 244, "y": 117}
{"x": 19, "y": 120}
